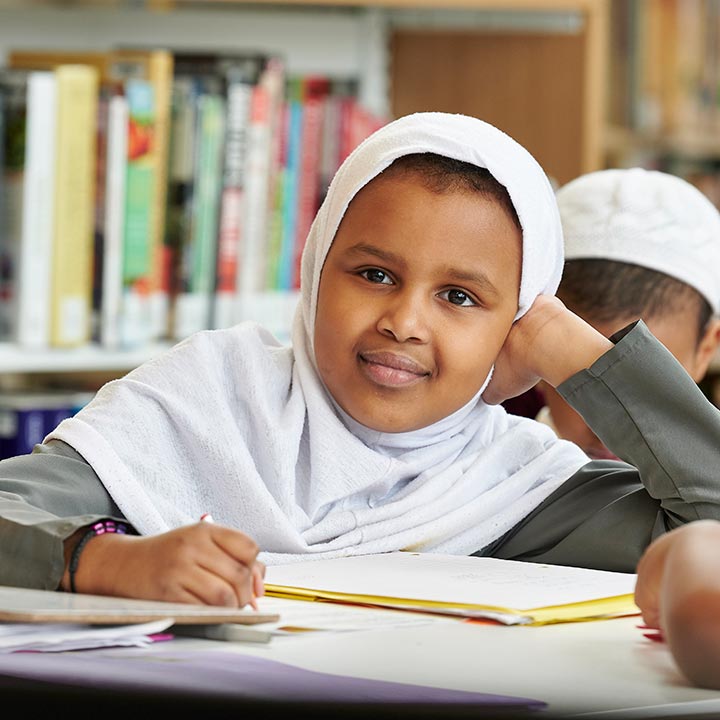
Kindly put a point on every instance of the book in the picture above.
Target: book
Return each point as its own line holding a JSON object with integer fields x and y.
{"x": 291, "y": 180}
{"x": 71, "y": 282}
{"x": 314, "y": 92}
{"x": 158, "y": 70}
{"x": 193, "y": 302}
{"x": 138, "y": 252}
{"x": 114, "y": 66}
{"x": 47, "y": 606}
{"x": 506, "y": 591}
{"x": 181, "y": 169}
{"x": 26, "y": 215}
{"x": 232, "y": 202}
{"x": 26, "y": 417}
{"x": 254, "y": 258}
{"x": 111, "y": 277}
{"x": 238, "y": 74}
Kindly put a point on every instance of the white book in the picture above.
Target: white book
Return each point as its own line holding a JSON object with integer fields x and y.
{"x": 112, "y": 283}
{"x": 251, "y": 267}
{"x": 34, "y": 259}
{"x": 232, "y": 205}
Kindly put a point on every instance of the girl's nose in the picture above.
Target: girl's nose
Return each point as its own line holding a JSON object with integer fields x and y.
{"x": 404, "y": 317}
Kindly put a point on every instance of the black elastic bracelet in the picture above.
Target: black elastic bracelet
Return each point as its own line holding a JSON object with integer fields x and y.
{"x": 101, "y": 527}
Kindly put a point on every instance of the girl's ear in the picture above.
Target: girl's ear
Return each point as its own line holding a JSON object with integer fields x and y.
{"x": 707, "y": 349}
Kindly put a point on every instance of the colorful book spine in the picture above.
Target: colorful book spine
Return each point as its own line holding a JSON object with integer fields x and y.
{"x": 253, "y": 264}
{"x": 313, "y": 95}
{"x": 71, "y": 285}
{"x": 160, "y": 75}
{"x": 286, "y": 262}
{"x": 277, "y": 201}
{"x": 137, "y": 248}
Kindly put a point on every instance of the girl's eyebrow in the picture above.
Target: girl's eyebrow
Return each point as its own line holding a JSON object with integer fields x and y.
{"x": 479, "y": 279}
{"x": 365, "y": 249}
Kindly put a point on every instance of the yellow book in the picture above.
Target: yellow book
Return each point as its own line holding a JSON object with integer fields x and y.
{"x": 71, "y": 281}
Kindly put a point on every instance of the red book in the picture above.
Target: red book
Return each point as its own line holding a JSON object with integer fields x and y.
{"x": 314, "y": 93}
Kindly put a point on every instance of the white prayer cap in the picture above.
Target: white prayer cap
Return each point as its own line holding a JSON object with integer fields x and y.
{"x": 647, "y": 218}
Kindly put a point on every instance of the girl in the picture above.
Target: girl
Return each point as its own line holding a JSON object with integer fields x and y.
{"x": 427, "y": 298}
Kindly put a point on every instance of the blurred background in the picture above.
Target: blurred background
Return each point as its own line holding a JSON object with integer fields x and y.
{"x": 162, "y": 160}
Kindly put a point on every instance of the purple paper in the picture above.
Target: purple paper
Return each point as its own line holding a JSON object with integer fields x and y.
{"x": 225, "y": 673}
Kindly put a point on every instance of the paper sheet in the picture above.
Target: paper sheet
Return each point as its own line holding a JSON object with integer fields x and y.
{"x": 454, "y": 579}
{"x": 60, "y": 637}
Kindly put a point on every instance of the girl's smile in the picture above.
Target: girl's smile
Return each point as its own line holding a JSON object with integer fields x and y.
{"x": 390, "y": 369}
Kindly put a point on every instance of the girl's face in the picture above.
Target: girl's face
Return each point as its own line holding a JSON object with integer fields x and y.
{"x": 417, "y": 294}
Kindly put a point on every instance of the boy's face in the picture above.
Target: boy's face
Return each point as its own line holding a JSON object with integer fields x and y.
{"x": 417, "y": 294}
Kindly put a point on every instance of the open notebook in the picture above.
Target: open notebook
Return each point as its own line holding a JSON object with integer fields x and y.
{"x": 508, "y": 591}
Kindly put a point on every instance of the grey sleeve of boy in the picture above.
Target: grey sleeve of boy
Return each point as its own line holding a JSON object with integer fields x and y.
{"x": 648, "y": 411}
{"x": 45, "y": 497}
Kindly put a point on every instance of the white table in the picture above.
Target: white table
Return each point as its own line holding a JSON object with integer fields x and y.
{"x": 600, "y": 669}
{"x": 596, "y": 669}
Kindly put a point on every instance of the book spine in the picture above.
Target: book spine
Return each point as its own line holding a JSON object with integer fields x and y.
{"x": 137, "y": 247}
{"x": 71, "y": 303}
{"x": 290, "y": 189}
{"x": 180, "y": 193}
{"x": 275, "y": 80}
{"x": 253, "y": 263}
{"x": 194, "y": 304}
{"x": 161, "y": 77}
{"x": 313, "y": 100}
{"x": 31, "y": 302}
{"x": 115, "y": 180}
{"x": 275, "y": 230}
{"x": 232, "y": 203}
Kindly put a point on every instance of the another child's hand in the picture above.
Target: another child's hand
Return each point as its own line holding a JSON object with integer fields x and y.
{"x": 202, "y": 563}
{"x": 650, "y": 571}
{"x": 548, "y": 343}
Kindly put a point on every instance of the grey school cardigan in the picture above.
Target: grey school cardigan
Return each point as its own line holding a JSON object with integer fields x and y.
{"x": 636, "y": 398}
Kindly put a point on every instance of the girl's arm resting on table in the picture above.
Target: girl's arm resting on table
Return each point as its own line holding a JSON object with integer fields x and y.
{"x": 49, "y": 498}
{"x": 647, "y": 410}
{"x": 45, "y": 498}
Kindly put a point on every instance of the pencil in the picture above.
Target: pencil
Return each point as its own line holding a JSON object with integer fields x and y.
{"x": 208, "y": 518}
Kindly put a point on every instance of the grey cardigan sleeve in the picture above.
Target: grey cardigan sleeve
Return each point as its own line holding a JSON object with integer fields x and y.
{"x": 643, "y": 405}
{"x": 45, "y": 497}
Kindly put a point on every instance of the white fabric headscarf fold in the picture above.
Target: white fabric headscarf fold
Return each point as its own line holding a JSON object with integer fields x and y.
{"x": 233, "y": 423}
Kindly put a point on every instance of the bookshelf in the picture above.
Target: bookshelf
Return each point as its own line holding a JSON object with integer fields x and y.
{"x": 407, "y": 55}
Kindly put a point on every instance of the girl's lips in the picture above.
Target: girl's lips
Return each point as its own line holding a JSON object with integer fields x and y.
{"x": 391, "y": 370}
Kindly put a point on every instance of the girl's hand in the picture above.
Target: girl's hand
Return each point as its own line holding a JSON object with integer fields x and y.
{"x": 202, "y": 563}
{"x": 548, "y": 343}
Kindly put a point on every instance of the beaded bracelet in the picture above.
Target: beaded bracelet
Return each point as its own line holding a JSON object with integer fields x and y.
{"x": 102, "y": 527}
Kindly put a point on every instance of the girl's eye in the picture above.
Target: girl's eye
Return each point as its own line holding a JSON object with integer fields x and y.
{"x": 376, "y": 276}
{"x": 458, "y": 297}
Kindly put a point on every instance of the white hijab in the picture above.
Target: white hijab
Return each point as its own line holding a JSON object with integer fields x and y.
{"x": 233, "y": 423}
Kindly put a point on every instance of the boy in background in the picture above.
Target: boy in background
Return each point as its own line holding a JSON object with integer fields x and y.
{"x": 638, "y": 244}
